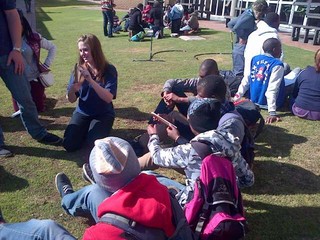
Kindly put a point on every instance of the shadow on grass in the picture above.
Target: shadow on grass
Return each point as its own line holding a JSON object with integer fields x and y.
{"x": 78, "y": 157}
{"x": 275, "y": 178}
{"x": 132, "y": 113}
{"x": 127, "y": 134}
{"x": 276, "y": 141}
{"x": 10, "y": 183}
{"x": 280, "y": 222}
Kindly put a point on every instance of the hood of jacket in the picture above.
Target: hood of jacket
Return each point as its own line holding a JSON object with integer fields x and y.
{"x": 264, "y": 28}
{"x": 144, "y": 200}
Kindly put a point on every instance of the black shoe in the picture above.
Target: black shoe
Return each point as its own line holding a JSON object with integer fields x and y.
{"x": 87, "y": 173}
{"x": 110, "y": 36}
{"x": 51, "y": 139}
{"x": 63, "y": 184}
{"x": 1, "y": 217}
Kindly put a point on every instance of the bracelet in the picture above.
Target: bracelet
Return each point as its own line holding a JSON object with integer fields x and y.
{"x": 16, "y": 49}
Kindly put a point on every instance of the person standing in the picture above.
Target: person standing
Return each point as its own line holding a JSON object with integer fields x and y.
{"x": 242, "y": 26}
{"x": 176, "y": 15}
{"x": 107, "y": 13}
{"x": 12, "y": 69}
{"x": 32, "y": 43}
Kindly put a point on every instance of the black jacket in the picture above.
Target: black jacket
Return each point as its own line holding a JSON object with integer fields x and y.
{"x": 156, "y": 14}
{"x": 136, "y": 20}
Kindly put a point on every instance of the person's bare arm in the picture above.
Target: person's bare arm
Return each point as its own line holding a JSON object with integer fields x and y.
{"x": 15, "y": 29}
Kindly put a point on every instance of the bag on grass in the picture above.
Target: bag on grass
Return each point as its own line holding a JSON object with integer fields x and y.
{"x": 216, "y": 210}
{"x": 138, "y": 37}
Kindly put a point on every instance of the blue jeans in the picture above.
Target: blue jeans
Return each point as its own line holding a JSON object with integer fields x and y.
{"x": 107, "y": 18}
{"x": 85, "y": 201}
{"x": 20, "y": 91}
{"x": 83, "y": 128}
{"x": 238, "y": 58}
{"x": 34, "y": 229}
{"x": 166, "y": 181}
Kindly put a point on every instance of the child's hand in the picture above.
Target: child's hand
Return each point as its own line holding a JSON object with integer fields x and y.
{"x": 171, "y": 97}
{"x": 271, "y": 119}
{"x": 151, "y": 129}
{"x": 173, "y": 133}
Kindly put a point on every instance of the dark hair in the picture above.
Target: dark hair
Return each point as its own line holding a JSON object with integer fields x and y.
{"x": 26, "y": 28}
{"x": 208, "y": 67}
{"x": 270, "y": 44}
{"x": 272, "y": 19}
{"x": 212, "y": 86}
{"x": 140, "y": 6}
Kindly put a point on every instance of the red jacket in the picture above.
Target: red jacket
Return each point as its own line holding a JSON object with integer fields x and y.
{"x": 143, "y": 200}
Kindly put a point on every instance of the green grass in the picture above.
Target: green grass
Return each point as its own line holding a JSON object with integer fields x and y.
{"x": 284, "y": 203}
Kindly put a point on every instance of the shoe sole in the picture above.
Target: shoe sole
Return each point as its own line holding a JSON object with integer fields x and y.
{"x": 56, "y": 182}
{"x": 85, "y": 176}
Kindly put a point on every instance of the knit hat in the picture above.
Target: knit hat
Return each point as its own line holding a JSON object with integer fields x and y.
{"x": 204, "y": 114}
{"x": 113, "y": 163}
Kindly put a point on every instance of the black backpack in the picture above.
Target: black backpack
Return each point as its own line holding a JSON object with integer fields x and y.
{"x": 140, "y": 232}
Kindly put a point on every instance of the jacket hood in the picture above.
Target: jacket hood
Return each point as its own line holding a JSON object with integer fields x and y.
{"x": 264, "y": 28}
{"x": 143, "y": 200}
{"x": 179, "y": 7}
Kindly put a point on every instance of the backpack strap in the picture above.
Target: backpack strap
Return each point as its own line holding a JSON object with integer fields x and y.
{"x": 133, "y": 228}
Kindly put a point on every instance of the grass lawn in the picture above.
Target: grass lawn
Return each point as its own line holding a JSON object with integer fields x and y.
{"x": 284, "y": 203}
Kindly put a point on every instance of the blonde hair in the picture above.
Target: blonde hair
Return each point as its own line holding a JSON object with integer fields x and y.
{"x": 317, "y": 60}
{"x": 98, "y": 57}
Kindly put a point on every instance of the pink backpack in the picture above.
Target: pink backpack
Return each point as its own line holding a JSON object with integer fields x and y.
{"x": 216, "y": 210}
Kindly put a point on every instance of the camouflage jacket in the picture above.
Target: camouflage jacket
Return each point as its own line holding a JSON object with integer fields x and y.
{"x": 226, "y": 142}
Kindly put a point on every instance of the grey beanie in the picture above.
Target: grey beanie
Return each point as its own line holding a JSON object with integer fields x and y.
{"x": 113, "y": 163}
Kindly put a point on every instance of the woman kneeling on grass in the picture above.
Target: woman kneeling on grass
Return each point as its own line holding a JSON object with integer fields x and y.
{"x": 94, "y": 82}
{"x": 307, "y": 92}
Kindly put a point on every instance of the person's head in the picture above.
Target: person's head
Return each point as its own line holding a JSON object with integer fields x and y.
{"x": 272, "y": 19}
{"x": 204, "y": 115}
{"x": 212, "y": 86}
{"x": 90, "y": 51}
{"x": 113, "y": 163}
{"x": 140, "y": 6}
{"x": 156, "y": 4}
{"x": 317, "y": 60}
{"x": 26, "y": 28}
{"x": 208, "y": 67}
{"x": 260, "y": 8}
{"x": 177, "y": 1}
{"x": 272, "y": 46}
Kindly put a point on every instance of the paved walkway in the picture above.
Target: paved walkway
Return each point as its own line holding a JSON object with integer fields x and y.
{"x": 284, "y": 36}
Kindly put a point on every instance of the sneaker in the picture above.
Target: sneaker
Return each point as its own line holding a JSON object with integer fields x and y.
{"x": 1, "y": 217}
{"x": 16, "y": 114}
{"x": 63, "y": 184}
{"x": 51, "y": 139}
{"x": 4, "y": 153}
{"x": 87, "y": 173}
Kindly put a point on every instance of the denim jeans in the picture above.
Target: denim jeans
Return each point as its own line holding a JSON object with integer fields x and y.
{"x": 238, "y": 58}
{"x": 20, "y": 91}
{"x": 85, "y": 201}
{"x": 83, "y": 128}
{"x": 107, "y": 23}
{"x": 34, "y": 229}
